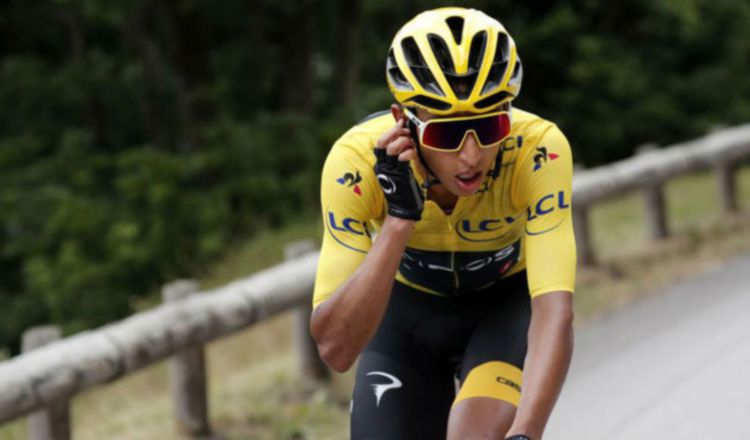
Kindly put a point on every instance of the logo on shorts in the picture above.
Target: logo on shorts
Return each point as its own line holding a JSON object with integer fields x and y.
{"x": 541, "y": 157}
{"x": 351, "y": 180}
{"x": 388, "y": 185}
{"x": 380, "y": 388}
{"x": 509, "y": 383}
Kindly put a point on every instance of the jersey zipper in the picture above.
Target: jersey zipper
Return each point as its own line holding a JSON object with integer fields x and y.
{"x": 451, "y": 218}
{"x": 455, "y": 272}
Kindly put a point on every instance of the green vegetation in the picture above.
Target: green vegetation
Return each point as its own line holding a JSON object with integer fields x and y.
{"x": 143, "y": 141}
{"x": 256, "y": 394}
{"x": 140, "y": 140}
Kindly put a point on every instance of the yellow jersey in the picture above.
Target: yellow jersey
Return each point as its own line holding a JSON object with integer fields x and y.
{"x": 520, "y": 218}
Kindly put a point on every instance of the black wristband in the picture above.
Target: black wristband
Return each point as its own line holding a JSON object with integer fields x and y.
{"x": 396, "y": 179}
{"x": 518, "y": 437}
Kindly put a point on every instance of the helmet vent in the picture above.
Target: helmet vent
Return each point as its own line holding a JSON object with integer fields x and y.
{"x": 476, "y": 51}
{"x": 499, "y": 64}
{"x": 462, "y": 85}
{"x": 502, "y": 49}
{"x": 428, "y": 102}
{"x": 493, "y": 99}
{"x": 456, "y": 25}
{"x": 418, "y": 66}
{"x": 517, "y": 76}
{"x": 441, "y": 52}
{"x": 494, "y": 77}
{"x": 395, "y": 74}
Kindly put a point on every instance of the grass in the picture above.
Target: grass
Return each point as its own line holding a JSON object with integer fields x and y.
{"x": 261, "y": 252}
{"x": 619, "y": 226}
{"x": 632, "y": 265}
{"x": 254, "y": 389}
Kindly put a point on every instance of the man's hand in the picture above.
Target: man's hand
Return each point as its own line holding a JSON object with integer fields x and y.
{"x": 393, "y": 152}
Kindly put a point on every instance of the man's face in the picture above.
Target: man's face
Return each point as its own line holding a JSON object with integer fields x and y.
{"x": 461, "y": 172}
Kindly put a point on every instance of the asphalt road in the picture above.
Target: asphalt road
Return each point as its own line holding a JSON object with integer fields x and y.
{"x": 672, "y": 366}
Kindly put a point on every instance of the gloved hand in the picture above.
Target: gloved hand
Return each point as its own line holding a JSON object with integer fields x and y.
{"x": 404, "y": 197}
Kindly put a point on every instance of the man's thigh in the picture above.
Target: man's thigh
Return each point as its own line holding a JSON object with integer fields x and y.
{"x": 393, "y": 400}
{"x": 405, "y": 377}
{"x": 491, "y": 368}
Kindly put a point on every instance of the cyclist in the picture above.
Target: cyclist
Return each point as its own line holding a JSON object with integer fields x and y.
{"x": 448, "y": 258}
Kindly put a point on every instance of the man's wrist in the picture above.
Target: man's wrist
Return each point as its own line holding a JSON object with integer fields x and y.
{"x": 522, "y": 431}
{"x": 398, "y": 223}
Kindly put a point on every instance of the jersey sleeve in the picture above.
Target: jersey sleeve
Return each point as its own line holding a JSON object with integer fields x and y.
{"x": 545, "y": 189}
{"x": 350, "y": 198}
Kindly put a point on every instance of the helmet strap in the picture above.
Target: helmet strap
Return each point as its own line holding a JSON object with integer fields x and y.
{"x": 499, "y": 158}
{"x": 498, "y": 164}
{"x": 428, "y": 181}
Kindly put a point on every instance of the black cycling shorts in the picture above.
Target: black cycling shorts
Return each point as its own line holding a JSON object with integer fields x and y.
{"x": 406, "y": 377}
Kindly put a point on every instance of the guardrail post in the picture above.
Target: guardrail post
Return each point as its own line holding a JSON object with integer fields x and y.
{"x": 52, "y": 423}
{"x": 188, "y": 374}
{"x": 656, "y": 216}
{"x": 311, "y": 367}
{"x": 725, "y": 177}
{"x": 583, "y": 236}
{"x": 656, "y": 211}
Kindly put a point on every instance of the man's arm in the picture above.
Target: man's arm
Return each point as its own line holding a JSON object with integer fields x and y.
{"x": 344, "y": 323}
{"x": 547, "y": 360}
{"x": 545, "y": 189}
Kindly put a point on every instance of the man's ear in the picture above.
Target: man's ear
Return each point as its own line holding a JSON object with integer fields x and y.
{"x": 397, "y": 112}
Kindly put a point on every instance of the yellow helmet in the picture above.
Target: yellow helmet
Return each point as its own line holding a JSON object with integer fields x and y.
{"x": 453, "y": 60}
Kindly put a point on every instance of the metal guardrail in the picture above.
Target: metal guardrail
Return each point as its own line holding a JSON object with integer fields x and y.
{"x": 49, "y": 375}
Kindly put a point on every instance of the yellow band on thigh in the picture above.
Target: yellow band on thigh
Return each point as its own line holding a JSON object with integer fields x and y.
{"x": 497, "y": 380}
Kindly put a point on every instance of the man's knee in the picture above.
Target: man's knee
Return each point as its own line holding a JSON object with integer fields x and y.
{"x": 480, "y": 418}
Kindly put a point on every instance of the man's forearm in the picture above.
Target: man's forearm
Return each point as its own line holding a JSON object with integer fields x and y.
{"x": 546, "y": 365}
{"x": 344, "y": 323}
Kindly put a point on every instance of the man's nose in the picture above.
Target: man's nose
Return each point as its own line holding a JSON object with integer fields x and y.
{"x": 470, "y": 151}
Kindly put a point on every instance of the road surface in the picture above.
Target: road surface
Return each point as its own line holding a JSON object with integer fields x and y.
{"x": 672, "y": 366}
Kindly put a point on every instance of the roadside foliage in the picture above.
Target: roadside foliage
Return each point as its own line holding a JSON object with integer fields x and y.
{"x": 141, "y": 139}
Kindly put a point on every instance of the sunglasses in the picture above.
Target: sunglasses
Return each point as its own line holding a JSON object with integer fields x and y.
{"x": 448, "y": 134}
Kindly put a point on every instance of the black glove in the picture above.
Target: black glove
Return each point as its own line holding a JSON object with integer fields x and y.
{"x": 405, "y": 199}
{"x": 518, "y": 437}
